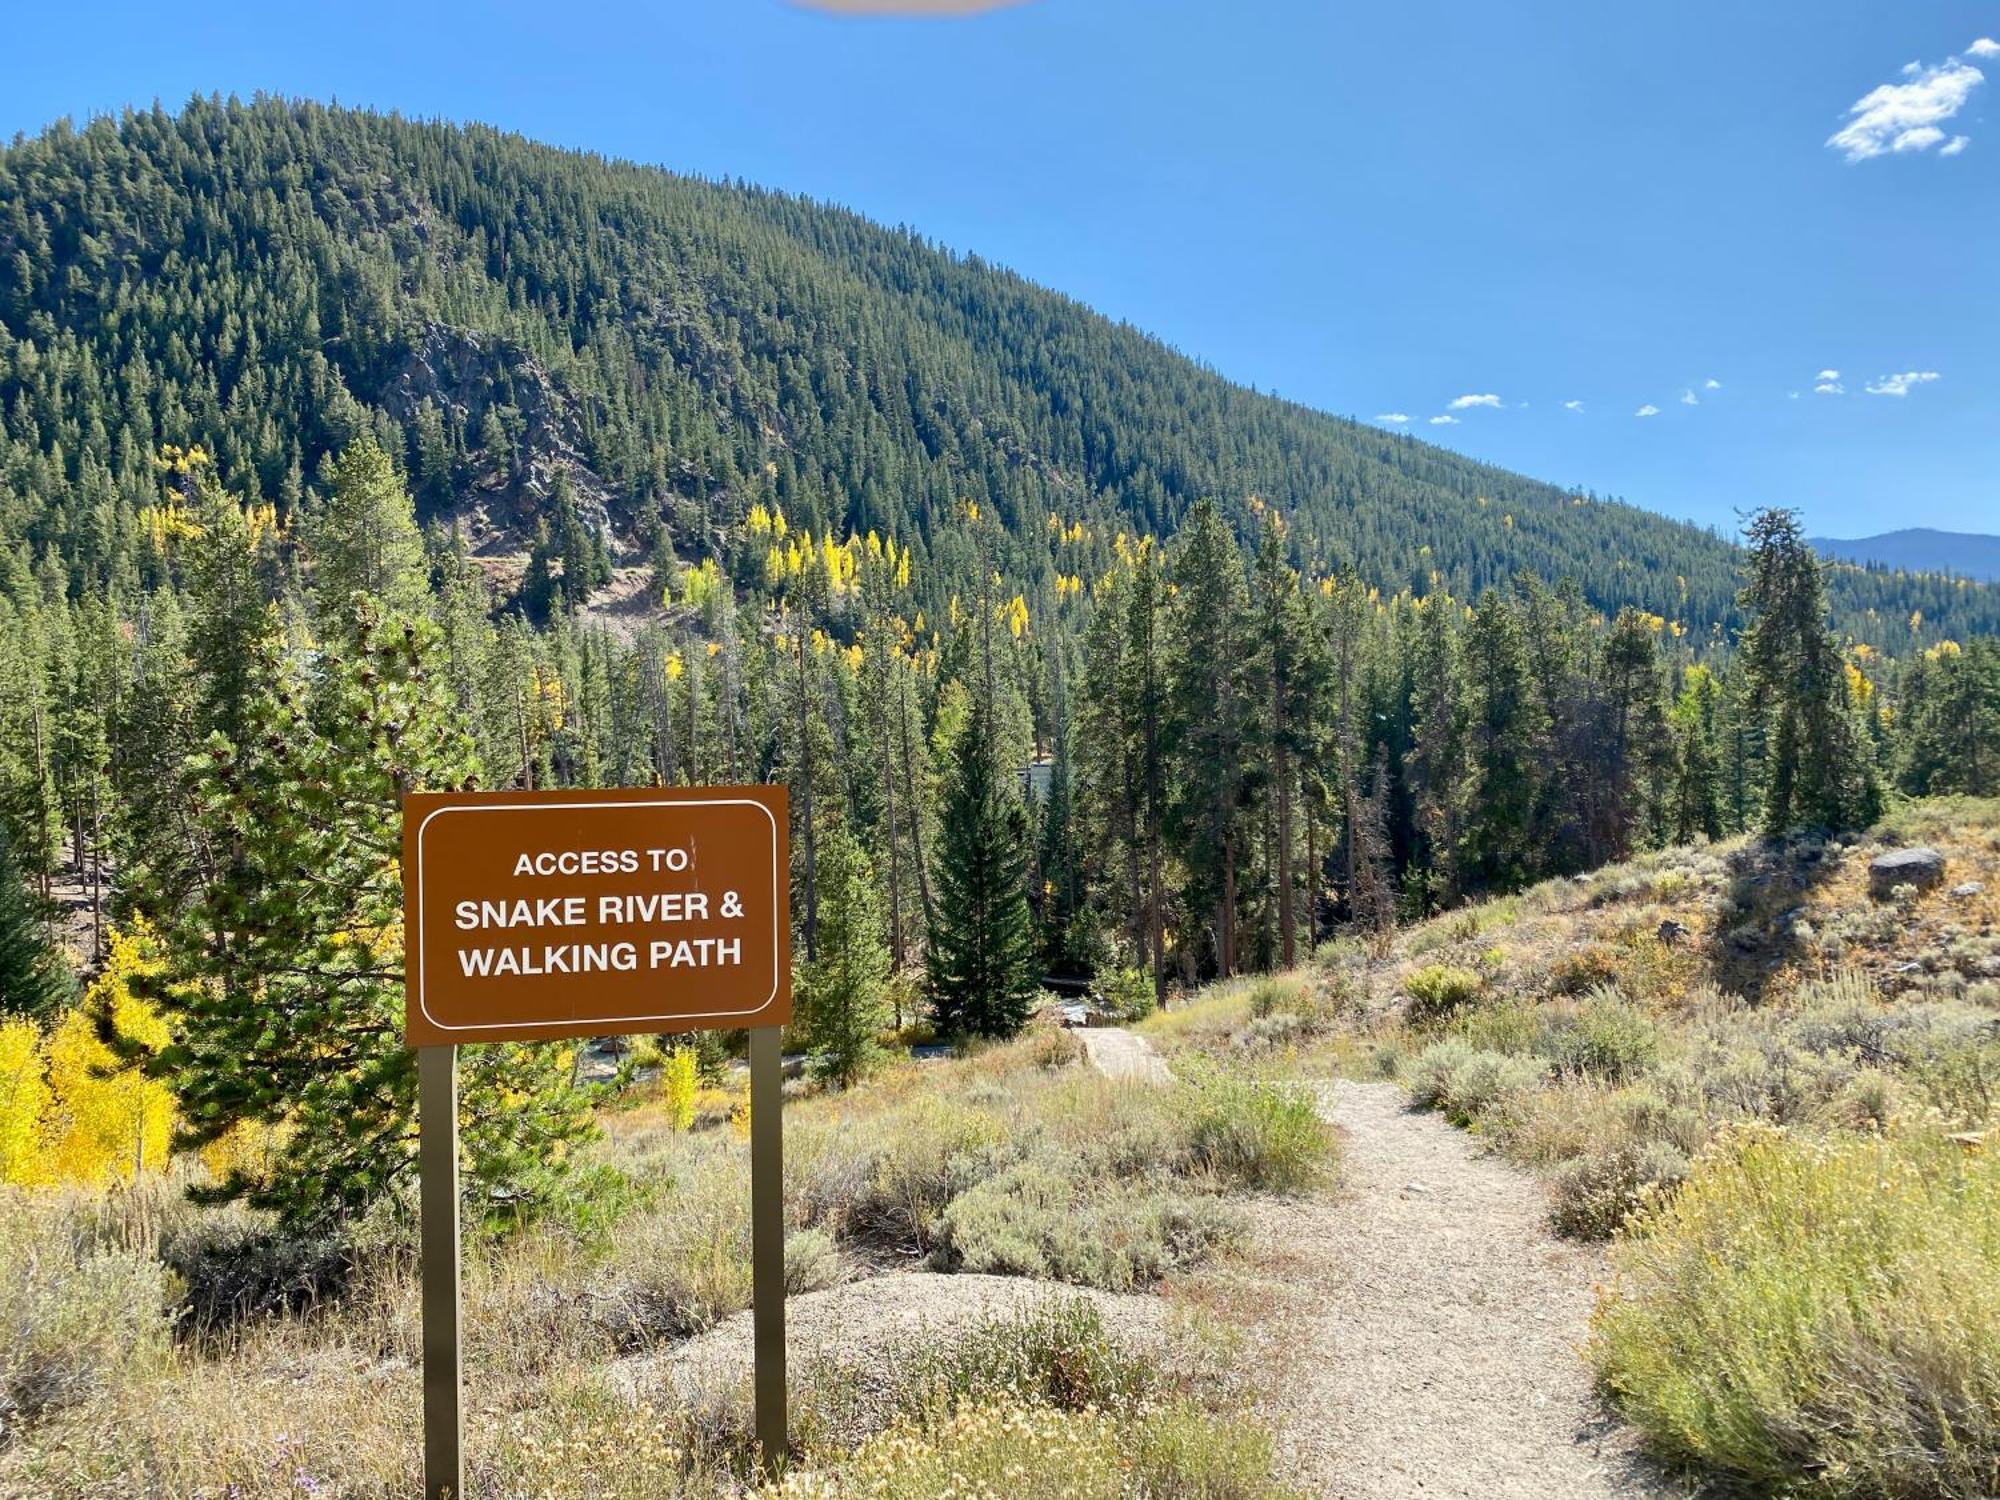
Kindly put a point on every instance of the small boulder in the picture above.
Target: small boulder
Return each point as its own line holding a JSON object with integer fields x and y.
{"x": 1965, "y": 890}
{"x": 1922, "y": 867}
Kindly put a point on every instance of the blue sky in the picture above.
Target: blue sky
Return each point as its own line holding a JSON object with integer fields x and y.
{"x": 1372, "y": 209}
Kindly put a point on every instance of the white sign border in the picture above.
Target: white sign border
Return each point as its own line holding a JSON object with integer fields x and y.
{"x": 778, "y": 907}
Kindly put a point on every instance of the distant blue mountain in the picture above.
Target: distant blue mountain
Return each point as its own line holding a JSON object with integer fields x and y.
{"x": 1920, "y": 550}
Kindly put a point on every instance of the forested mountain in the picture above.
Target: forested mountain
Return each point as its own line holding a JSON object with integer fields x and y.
{"x": 345, "y": 457}
{"x": 1920, "y": 549}
{"x": 268, "y": 281}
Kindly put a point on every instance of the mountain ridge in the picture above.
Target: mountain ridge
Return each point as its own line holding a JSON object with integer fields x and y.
{"x": 268, "y": 278}
{"x": 1920, "y": 549}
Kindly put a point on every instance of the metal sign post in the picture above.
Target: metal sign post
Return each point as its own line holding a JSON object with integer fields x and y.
{"x": 767, "y": 1239}
{"x": 444, "y": 1381}
{"x": 530, "y": 916}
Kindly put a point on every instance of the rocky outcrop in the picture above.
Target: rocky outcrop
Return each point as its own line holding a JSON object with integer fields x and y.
{"x": 465, "y": 373}
{"x": 1922, "y": 867}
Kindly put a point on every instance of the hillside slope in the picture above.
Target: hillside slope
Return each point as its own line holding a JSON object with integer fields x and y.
{"x": 268, "y": 279}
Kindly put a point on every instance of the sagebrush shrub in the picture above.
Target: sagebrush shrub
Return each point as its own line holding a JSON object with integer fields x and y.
{"x": 1256, "y": 1133}
{"x": 1436, "y": 990}
{"x": 1605, "y": 1037}
{"x": 77, "y": 1314}
{"x": 1817, "y": 1317}
{"x": 1591, "y": 1195}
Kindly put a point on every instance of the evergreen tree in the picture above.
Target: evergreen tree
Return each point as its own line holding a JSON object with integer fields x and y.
{"x": 34, "y": 981}
{"x": 1817, "y": 771}
{"x": 1509, "y": 751}
{"x": 981, "y": 966}
{"x": 843, "y": 991}
{"x": 286, "y": 981}
{"x": 1209, "y": 723}
{"x": 364, "y": 539}
{"x": 1438, "y": 764}
{"x": 1697, "y": 797}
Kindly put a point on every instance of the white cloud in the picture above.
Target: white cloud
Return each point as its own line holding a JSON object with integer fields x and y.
{"x": 1901, "y": 385}
{"x": 1711, "y": 384}
{"x": 1398, "y": 417}
{"x": 1462, "y": 402}
{"x": 1955, "y": 145}
{"x": 1572, "y": 406}
{"x": 1791, "y": 395}
{"x": 1827, "y": 375}
{"x": 1444, "y": 421}
{"x": 1830, "y": 388}
{"x": 1904, "y": 117}
{"x": 1689, "y": 398}
{"x": 1648, "y": 410}
{"x": 1984, "y": 47}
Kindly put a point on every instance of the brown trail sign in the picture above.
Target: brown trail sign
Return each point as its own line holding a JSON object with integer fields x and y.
{"x": 534, "y": 915}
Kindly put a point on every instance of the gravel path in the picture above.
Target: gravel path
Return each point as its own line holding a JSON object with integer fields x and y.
{"x": 1117, "y": 1053}
{"x": 1428, "y": 1342}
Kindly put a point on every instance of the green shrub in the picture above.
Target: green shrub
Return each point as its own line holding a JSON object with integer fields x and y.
{"x": 1256, "y": 1133}
{"x": 1436, "y": 990}
{"x": 1057, "y": 1353}
{"x": 1127, "y": 994}
{"x": 1817, "y": 1317}
{"x": 1273, "y": 994}
{"x": 1591, "y": 1195}
{"x": 1037, "y": 1220}
{"x": 1464, "y": 1081}
{"x": 923, "y": 1156}
{"x": 1605, "y": 1037}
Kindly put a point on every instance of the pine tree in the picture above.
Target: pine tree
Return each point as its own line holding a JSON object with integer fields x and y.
{"x": 1817, "y": 772}
{"x": 285, "y": 972}
{"x": 1509, "y": 734}
{"x": 1438, "y": 763}
{"x": 1697, "y": 796}
{"x": 1289, "y": 683}
{"x": 364, "y": 539}
{"x": 1209, "y": 722}
{"x": 981, "y": 970}
{"x": 843, "y": 990}
{"x": 34, "y": 981}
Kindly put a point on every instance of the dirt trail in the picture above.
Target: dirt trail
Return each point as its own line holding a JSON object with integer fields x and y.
{"x": 1420, "y": 1327}
{"x": 1439, "y": 1326}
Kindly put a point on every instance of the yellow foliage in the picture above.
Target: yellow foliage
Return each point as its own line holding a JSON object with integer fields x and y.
{"x": 1859, "y": 688}
{"x": 182, "y": 460}
{"x": 675, "y": 666}
{"x": 108, "y": 1120}
{"x": 24, "y": 1100}
{"x": 247, "y": 1147}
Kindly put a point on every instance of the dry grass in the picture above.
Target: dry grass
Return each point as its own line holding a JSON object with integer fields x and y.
{"x": 1011, "y": 1159}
